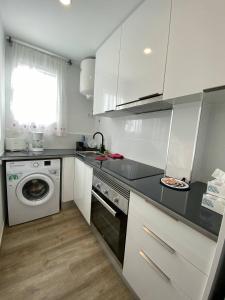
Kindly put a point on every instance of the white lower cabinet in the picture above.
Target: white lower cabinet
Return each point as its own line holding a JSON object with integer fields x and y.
{"x": 67, "y": 178}
{"x": 155, "y": 265}
{"x": 180, "y": 272}
{"x": 145, "y": 278}
{"x": 194, "y": 246}
{"x": 82, "y": 188}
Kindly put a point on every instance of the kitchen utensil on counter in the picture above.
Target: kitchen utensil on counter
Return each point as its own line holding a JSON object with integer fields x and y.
{"x": 91, "y": 143}
{"x": 101, "y": 157}
{"x": 15, "y": 144}
{"x": 37, "y": 143}
{"x": 116, "y": 156}
{"x": 80, "y": 146}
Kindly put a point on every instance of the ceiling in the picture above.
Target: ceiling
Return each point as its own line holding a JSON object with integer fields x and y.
{"x": 74, "y": 32}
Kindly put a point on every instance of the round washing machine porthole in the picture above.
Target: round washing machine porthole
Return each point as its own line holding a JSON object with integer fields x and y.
{"x": 35, "y": 189}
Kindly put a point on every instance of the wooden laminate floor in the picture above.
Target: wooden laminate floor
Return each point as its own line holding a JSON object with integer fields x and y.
{"x": 57, "y": 257}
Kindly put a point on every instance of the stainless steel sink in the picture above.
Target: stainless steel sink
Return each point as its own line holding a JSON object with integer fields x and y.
{"x": 88, "y": 154}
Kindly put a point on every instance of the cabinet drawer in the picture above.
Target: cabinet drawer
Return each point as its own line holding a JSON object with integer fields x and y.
{"x": 147, "y": 280}
{"x": 194, "y": 246}
{"x": 186, "y": 276}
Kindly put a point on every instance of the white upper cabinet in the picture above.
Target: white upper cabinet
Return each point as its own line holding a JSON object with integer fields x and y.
{"x": 106, "y": 74}
{"x": 196, "y": 53}
{"x": 143, "y": 51}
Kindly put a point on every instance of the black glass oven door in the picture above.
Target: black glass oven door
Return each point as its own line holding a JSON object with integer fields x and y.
{"x": 110, "y": 222}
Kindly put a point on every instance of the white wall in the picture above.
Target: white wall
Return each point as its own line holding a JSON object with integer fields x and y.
{"x": 80, "y": 120}
{"x": 182, "y": 143}
{"x": 210, "y": 147}
{"x": 2, "y": 97}
{"x": 143, "y": 138}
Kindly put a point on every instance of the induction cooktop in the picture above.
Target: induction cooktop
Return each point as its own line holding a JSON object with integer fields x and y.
{"x": 129, "y": 169}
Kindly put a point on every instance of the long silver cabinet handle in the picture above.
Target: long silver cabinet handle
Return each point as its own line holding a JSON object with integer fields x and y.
{"x": 110, "y": 209}
{"x": 159, "y": 240}
{"x": 153, "y": 265}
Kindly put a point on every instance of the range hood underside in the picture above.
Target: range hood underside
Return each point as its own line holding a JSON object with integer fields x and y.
{"x": 145, "y": 105}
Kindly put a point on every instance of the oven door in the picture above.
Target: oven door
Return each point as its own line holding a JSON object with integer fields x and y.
{"x": 110, "y": 222}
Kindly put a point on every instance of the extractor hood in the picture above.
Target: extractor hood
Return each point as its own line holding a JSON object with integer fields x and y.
{"x": 146, "y": 104}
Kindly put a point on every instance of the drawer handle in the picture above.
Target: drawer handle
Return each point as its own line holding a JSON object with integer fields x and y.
{"x": 153, "y": 265}
{"x": 164, "y": 244}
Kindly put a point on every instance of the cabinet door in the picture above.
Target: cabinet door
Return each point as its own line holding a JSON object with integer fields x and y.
{"x": 86, "y": 207}
{"x": 145, "y": 277}
{"x": 196, "y": 47}
{"x": 106, "y": 74}
{"x": 67, "y": 179}
{"x": 78, "y": 183}
{"x": 82, "y": 188}
{"x": 143, "y": 51}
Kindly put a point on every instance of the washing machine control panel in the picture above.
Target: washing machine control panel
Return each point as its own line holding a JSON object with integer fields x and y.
{"x": 41, "y": 164}
{"x": 25, "y": 167}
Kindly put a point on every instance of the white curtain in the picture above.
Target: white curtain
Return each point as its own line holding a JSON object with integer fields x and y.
{"x": 37, "y": 91}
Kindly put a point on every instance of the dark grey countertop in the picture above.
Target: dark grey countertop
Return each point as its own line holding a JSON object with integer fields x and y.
{"x": 184, "y": 206}
{"x": 48, "y": 153}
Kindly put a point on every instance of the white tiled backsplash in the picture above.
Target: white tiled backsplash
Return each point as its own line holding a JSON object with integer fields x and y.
{"x": 147, "y": 138}
{"x": 143, "y": 138}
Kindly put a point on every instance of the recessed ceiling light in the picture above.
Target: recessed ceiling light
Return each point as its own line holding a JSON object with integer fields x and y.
{"x": 65, "y": 2}
{"x": 147, "y": 51}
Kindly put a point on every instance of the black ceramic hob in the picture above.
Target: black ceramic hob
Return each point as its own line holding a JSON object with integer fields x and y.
{"x": 130, "y": 169}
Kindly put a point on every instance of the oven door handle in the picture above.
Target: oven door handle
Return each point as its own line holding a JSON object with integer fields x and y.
{"x": 110, "y": 209}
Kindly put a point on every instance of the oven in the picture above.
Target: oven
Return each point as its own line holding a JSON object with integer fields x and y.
{"x": 109, "y": 210}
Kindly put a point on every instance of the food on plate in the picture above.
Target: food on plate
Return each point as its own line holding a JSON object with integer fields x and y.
{"x": 173, "y": 182}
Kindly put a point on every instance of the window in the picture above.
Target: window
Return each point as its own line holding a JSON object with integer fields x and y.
{"x": 37, "y": 98}
{"x": 34, "y": 96}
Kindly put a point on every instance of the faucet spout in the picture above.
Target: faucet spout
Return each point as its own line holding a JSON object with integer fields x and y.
{"x": 102, "y": 147}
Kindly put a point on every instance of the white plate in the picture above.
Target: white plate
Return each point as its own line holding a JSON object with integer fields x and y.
{"x": 185, "y": 186}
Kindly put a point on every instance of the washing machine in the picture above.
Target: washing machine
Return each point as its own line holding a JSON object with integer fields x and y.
{"x": 33, "y": 189}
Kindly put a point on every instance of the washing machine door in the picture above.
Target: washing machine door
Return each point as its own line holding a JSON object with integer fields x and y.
{"x": 35, "y": 189}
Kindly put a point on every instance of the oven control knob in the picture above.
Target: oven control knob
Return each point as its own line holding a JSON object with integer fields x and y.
{"x": 98, "y": 186}
{"x": 116, "y": 200}
{"x": 105, "y": 192}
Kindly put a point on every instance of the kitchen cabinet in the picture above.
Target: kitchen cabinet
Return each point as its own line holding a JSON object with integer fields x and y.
{"x": 167, "y": 253}
{"x": 143, "y": 51}
{"x": 82, "y": 188}
{"x": 67, "y": 178}
{"x": 148, "y": 282}
{"x": 106, "y": 74}
{"x": 196, "y": 47}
